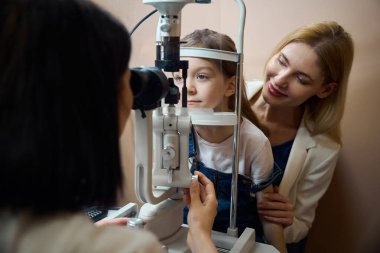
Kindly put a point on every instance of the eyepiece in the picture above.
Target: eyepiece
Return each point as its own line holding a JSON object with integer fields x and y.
{"x": 149, "y": 85}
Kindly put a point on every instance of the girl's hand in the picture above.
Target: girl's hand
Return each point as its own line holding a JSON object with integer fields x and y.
{"x": 202, "y": 203}
{"x": 276, "y": 208}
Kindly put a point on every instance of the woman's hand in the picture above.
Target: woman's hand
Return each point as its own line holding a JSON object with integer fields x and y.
{"x": 276, "y": 208}
{"x": 122, "y": 221}
{"x": 202, "y": 203}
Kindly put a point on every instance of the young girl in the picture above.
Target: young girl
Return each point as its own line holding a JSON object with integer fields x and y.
{"x": 211, "y": 84}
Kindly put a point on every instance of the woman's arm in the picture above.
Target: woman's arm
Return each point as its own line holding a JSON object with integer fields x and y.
{"x": 202, "y": 203}
{"x": 276, "y": 208}
{"x": 123, "y": 221}
{"x": 273, "y": 231}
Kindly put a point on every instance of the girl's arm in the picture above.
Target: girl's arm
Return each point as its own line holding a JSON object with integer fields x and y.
{"x": 273, "y": 232}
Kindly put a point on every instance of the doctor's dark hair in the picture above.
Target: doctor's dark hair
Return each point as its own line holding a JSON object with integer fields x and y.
{"x": 206, "y": 38}
{"x": 335, "y": 51}
{"x": 61, "y": 64}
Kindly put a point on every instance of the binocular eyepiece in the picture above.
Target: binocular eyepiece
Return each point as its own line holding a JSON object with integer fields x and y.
{"x": 149, "y": 85}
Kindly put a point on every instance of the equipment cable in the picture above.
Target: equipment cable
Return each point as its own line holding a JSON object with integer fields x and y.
{"x": 141, "y": 21}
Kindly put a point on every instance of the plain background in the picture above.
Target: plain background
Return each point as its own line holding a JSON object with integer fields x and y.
{"x": 348, "y": 218}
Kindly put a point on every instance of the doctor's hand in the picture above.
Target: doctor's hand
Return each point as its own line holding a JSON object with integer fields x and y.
{"x": 276, "y": 208}
{"x": 201, "y": 199}
{"x": 122, "y": 221}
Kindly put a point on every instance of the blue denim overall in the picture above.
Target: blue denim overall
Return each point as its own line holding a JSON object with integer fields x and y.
{"x": 246, "y": 215}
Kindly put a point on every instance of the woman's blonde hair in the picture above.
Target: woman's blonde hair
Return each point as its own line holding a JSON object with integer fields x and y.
{"x": 206, "y": 38}
{"x": 335, "y": 51}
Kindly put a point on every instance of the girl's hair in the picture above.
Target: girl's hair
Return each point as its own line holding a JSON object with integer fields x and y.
{"x": 335, "y": 51}
{"x": 61, "y": 63}
{"x": 206, "y": 38}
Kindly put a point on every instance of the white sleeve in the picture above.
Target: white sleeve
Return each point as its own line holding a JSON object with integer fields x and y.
{"x": 312, "y": 185}
{"x": 262, "y": 163}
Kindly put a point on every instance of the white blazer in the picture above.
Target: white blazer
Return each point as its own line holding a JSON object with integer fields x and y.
{"x": 307, "y": 175}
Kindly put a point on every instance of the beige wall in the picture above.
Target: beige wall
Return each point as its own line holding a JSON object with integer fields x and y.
{"x": 348, "y": 219}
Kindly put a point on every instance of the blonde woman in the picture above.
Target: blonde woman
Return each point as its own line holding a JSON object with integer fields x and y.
{"x": 301, "y": 103}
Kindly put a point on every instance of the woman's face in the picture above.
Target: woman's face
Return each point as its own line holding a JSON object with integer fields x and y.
{"x": 293, "y": 76}
{"x": 125, "y": 99}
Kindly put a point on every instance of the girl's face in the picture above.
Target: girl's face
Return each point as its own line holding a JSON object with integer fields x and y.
{"x": 293, "y": 76}
{"x": 207, "y": 87}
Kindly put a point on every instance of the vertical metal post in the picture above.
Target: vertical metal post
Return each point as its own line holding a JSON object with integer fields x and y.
{"x": 233, "y": 230}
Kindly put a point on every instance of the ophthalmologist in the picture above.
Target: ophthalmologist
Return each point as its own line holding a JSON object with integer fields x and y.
{"x": 64, "y": 99}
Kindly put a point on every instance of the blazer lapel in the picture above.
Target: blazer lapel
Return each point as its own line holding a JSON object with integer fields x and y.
{"x": 297, "y": 157}
{"x": 252, "y": 87}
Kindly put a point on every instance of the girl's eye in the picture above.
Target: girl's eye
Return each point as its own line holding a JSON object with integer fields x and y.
{"x": 201, "y": 77}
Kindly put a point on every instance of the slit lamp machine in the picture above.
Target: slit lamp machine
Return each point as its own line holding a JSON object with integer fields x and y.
{"x": 162, "y": 135}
